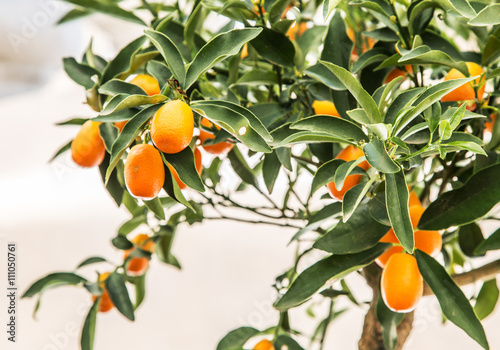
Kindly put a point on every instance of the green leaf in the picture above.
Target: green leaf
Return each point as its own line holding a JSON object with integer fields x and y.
{"x": 132, "y": 224}
{"x": 170, "y": 53}
{"x": 122, "y": 101}
{"x": 184, "y": 164}
{"x": 217, "y": 49}
{"x": 469, "y": 238}
{"x": 108, "y": 8}
{"x": 61, "y": 150}
{"x": 337, "y": 45}
{"x": 237, "y": 338}
{"x": 118, "y": 293}
{"x": 91, "y": 260}
{"x": 286, "y": 342}
{"x": 113, "y": 185}
{"x": 80, "y": 73}
{"x": 353, "y": 198}
{"x": 465, "y": 204}
{"x": 51, "y": 281}
{"x": 345, "y": 170}
{"x": 396, "y": 197}
{"x": 469, "y": 146}
{"x": 424, "y": 55}
{"x": 155, "y": 206}
{"x": 401, "y": 101}
{"x": 360, "y": 94}
{"x": 270, "y": 170}
{"x": 172, "y": 188}
{"x": 88, "y": 331}
{"x": 241, "y": 167}
{"x": 163, "y": 246}
{"x": 454, "y": 303}
{"x": 490, "y": 243}
{"x": 127, "y": 135}
{"x": 324, "y": 75}
{"x": 377, "y": 157}
{"x": 389, "y": 321}
{"x": 487, "y": 299}
{"x": 274, "y": 47}
{"x": 73, "y": 121}
{"x": 361, "y": 232}
{"x": 277, "y": 9}
{"x": 329, "y": 6}
{"x": 444, "y": 130}
{"x": 108, "y": 133}
{"x": 116, "y": 86}
{"x": 258, "y": 77}
{"x": 491, "y": 52}
{"x": 160, "y": 71}
{"x": 464, "y": 8}
{"x": 233, "y": 122}
{"x": 490, "y": 15}
{"x": 326, "y": 173}
{"x": 140, "y": 289}
{"x": 121, "y": 63}
{"x": 378, "y": 209}
{"x": 427, "y": 99}
{"x": 121, "y": 242}
{"x": 335, "y": 127}
{"x": 73, "y": 14}
{"x": 368, "y": 58}
{"x": 314, "y": 277}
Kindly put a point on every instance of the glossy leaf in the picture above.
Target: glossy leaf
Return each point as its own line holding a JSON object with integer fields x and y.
{"x": 490, "y": 15}
{"x": 275, "y": 47}
{"x": 184, "y": 164}
{"x": 319, "y": 218}
{"x": 116, "y": 86}
{"x": 353, "y": 197}
{"x": 88, "y": 331}
{"x": 326, "y": 173}
{"x": 359, "y": 233}
{"x": 80, "y": 73}
{"x": 314, "y": 277}
{"x": 490, "y": 243}
{"x": 121, "y": 62}
{"x": 377, "y": 156}
{"x": 487, "y": 299}
{"x": 389, "y": 320}
{"x": 286, "y": 342}
{"x": 360, "y": 94}
{"x": 241, "y": 167}
{"x": 172, "y": 188}
{"x": 237, "y": 338}
{"x": 91, "y": 260}
{"x": 396, "y": 197}
{"x": 333, "y": 126}
{"x": 465, "y": 204}
{"x": 122, "y": 101}
{"x": 154, "y": 205}
{"x": 53, "y": 280}
{"x": 454, "y": 303}
{"x": 219, "y": 48}
{"x": 118, "y": 293}
{"x": 270, "y": 170}
{"x": 108, "y": 8}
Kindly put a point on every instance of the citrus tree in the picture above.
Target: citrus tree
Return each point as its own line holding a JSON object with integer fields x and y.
{"x": 386, "y": 109}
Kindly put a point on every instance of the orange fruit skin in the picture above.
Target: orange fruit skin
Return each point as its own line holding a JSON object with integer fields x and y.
{"x": 489, "y": 125}
{"x": 382, "y": 259}
{"x": 105, "y": 304}
{"x": 325, "y": 107}
{"x": 244, "y": 51}
{"x": 197, "y": 163}
{"x": 148, "y": 83}
{"x": 296, "y": 30}
{"x": 137, "y": 266}
{"x": 144, "y": 171}
{"x": 466, "y": 91}
{"x": 364, "y": 46}
{"x": 430, "y": 242}
{"x": 218, "y": 148}
{"x": 401, "y": 283}
{"x": 87, "y": 149}
{"x": 172, "y": 127}
{"x": 349, "y": 153}
{"x": 396, "y": 72}
{"x": 264, "y": 345}
{"x": 414, "y": 200}
{"x": 120, "y": 125}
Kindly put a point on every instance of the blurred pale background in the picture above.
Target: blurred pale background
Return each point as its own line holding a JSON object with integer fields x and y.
{"x": 59, "y": 215}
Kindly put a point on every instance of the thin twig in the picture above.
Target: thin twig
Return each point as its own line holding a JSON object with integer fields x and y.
{"x": 225, "y": 217}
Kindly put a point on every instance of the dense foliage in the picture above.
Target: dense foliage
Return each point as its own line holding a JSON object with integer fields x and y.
{"x": 292, "y": 87}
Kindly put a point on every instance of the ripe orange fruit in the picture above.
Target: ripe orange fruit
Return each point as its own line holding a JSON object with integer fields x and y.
{"x": 349, "y": 153}
{"x": 244, "y": 51}
{"x": 414, "y": 200}
{"x": 325, "y": 107}
{"x": 489, "y": 125}
{"x": 296, "y": 30}
{"x": 466, "y": 91}
{"x": 87, "y": 149}
{"x": 137, "y": 266}
{"x": 218, "y": 148}
{"x": 120, "y": 125}
{"x": 105, "y": 304}
{"x": 401, "y": 283}
{"x": 264, "y": 345}
{"x": 172, "y": 127}
{"x": 144, "y": 172}
{"x": 430, "y": 242}
{"x": 148, "y": 83}
{"x": 396, "y": 72}
{"x": 197, "y": 163}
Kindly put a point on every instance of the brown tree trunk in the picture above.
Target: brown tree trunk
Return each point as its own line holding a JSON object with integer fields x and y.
{"x": 371, "y": 338}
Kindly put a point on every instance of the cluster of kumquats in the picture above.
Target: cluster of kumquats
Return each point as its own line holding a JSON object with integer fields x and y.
{"x": 401, "y": 281}
{"x": 171, "y": 131}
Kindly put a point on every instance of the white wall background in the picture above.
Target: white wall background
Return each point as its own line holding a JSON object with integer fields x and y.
{"x": 59, "y": 215}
